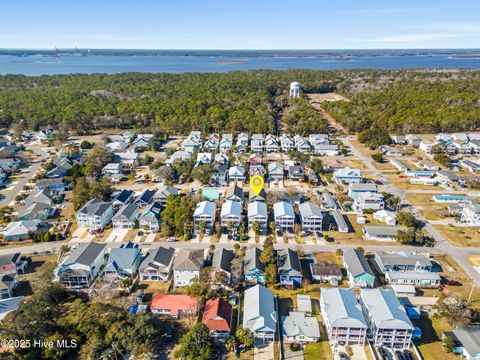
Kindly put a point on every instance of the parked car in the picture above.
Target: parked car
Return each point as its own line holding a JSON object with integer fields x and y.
{"x": 454, "y": 283}
{"x": 407, "y": 354}
{"x": 383, "y": 353}
{"x": 169, "y": 335}
{"x": 399, "y": 355}
{"x": 172, "y": 239}
{"x": 343, "y": 356}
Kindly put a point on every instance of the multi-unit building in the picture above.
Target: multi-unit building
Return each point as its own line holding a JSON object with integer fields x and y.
{"x": 204, "y": 216}
{"x": 231, "y": 214}
{"x": 387, "y": 319}
{"x": 342, "y": 316}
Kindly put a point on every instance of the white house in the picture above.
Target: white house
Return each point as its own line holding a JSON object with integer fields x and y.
{"x": 95, "y": 214}
{"x": 204, "y": 214}
{"x": 126, "y": 217}
{"x": 231, "y": 213}
{"x": 342, "y": 316}
{"x": 310, "y": 216}
{"x": 257, "y": 212}
{"x": 295, "y": 89}
{"x": 259, "y": 314}
{"x": 347, "y": 175}
{"x": 385, "y": 216}
{"x": 284, "y": 216}
{"x": 298, "y": 327}
{"x": 471, "y": 214}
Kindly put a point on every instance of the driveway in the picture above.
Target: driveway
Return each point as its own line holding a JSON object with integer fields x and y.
{"x": 117, "y": 235}
{"x": 358, "y": 352}
{"x": 263, "y": 351}
{"x": 150, "y": 237}
{"x": 291, "y": 355}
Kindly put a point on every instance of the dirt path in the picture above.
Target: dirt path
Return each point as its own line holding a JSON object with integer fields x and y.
{"x": 316, "y": 101}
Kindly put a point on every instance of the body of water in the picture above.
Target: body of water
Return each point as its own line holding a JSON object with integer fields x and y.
{"x": 30, "y": 62}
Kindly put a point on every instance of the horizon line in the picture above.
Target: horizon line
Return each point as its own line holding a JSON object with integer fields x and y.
{"x": 276, "y": 49}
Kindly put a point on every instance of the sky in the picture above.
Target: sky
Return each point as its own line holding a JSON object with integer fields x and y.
{"x": 240, "y": 24}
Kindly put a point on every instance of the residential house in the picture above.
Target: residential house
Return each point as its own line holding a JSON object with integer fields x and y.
{"x": 8, "y": 283}
{"x": 242, "y": 143}
{"x": 9, "y": 305}
{"x": 355, "y": 190}
{"x": 310, "y": 217}
{"x": 328, "y": 201}
{"x": 342, "y": 225}
{"x": 126, "y": 217}
{"x": 221, "y": 158}
{"x": 204, "y": 217}
{"x": 20, "y": 230}
{"x": 38, "y": 211}
{"x": 398, "y": 164}
{"x": 470, "y": 165}
{"x": 271, "y": 144}
{"x": 342, "y": 316}
{"x": 257, "y": 213}
{"x": 95, "y": 214}
{"x": 211, "y": 144}
{"x": 217, "y": 317}
{"x": 370, "y": 201}
{"x": 257, "y": 143}
{"x": 236, "y": 174}
{"x": 302, "y": 145}
{"x": 257, "y": 169}
{"x": 151, "y": 217}
{"x": 157, "y": 264}
{"x": 289, "y": 268}
{"x": 231, "y": 215}
{"x": 427, "y": 165}
{"x": 226, "y": 143}
{"x": 359, "y": 272}
{"x": 262, "y": 196}
{"x": 187, "y": 266}
{"x": 426, "y": 146}
{"x": 301, "y": 328}
{"x": 12, "y": 264}
{"x": 44, "y": 196}
{"x": 112, "y": 169}
{"x": 178, "y": 156}
{"x": 123, "y": 262}
{"x": 326, "y": 272}
{"x": 219, "y": 175}
{"x": 128, "y": 159}
{"x": 56, "y": 185}
{"x": 145, "y": 198}
{"x": 192, "y": 143}
{"x": 412, "y": 139}
{"x": 471, "y": 214}
{"x": 399, "y": 139}
{"x": 174, "y": 305}
{"x": 253, "y": 268}
{"x": 347, "y": 176}
{"x": 80, "y": 269}
{"x": 385, "y": 216}
{"x": 163, "y": 193}
{"x": 284, "y": 216}
{"x": 467, "y": 342}
{"x": 381, "y": 233}
{"x": 221, "y": 261}
{"x": 259, "y": 314}
{"x": 234, "y": 193}
{"x": 203, "y": 159}
{"x": 275, "y": 171}
{"x": 117, "y": 146}
{"x": 416, "y": 278}
{"x": 326, "y": 149}
{"x": 286, "y": 143}
{"x": 121, "y": 198}
{"x": 296, "y": 173}
{"x": 387, "y": 319}
{"x": 402, "y": 261}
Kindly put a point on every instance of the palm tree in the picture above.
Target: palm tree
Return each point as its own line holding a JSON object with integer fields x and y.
{"x": 64, "y": 249}
{"x": 256, "y": 227}
{"x": 126, "y": 283}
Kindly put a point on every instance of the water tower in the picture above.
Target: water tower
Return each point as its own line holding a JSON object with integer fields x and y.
{"x": 295, "y": 89}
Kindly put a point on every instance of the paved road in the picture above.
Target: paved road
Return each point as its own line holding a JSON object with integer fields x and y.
{"x": 31, "y": 171}
{"x": 458, "y": 254}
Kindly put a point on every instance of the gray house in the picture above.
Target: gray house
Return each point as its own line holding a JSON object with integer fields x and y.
{"x": 221, "y": 262}
{"x": 310, "y": 216}
{"x": 187, "y": 266}
{"x": 126, "y": 217}
{"x": 157, "y": 264}
{"x": 289, "y": 268}
{"x": 284, "y": 216}
{"x": 358, "y": 270}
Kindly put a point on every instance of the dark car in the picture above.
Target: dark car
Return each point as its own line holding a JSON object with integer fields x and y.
{"x": 343, "y": 356}
{"x": 169, "y": 335}
{"x": 399, "y": 355}
{"x": 407, "y": 355}
{"x": 383, "y": 353}
{"x": 454, "y": 283}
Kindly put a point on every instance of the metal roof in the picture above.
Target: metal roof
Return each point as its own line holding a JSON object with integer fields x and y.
{"x": 309, "y": 209}
{"x": 356, "y": 262}
{"x": 283, "y": 208}
{"x": 259, "y": 309}
{"x": 342, "y": 308}
{"x": 231, "y": 208}
{"x": 385, "y": 310}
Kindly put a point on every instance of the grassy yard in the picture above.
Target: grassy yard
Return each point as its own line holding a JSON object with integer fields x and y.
{"x": 152, "y": 288}
{"x": 404, "y": 183}
{"x": 460, "y": 236}
{"x": 319, "y": 350}
{"x": 427, "y": 207}
{"x": 451, "y": 270}
{"x": 430, "y": 346}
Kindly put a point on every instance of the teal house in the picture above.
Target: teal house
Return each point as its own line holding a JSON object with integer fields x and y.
{"x": 359, "y": 272}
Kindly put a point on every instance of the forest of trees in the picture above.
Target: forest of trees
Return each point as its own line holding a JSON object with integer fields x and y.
{"x": 252, "y": 101}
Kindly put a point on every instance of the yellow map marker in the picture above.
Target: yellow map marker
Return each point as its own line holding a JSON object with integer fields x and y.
{"x": 256, "y": 183}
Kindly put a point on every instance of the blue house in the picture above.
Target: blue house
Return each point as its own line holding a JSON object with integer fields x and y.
{"x": 289, "y": 268}
{"x": 254, "y": 269}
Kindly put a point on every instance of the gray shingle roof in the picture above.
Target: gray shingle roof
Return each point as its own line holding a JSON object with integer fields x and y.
{"x": 189, "y": 260}
{"x": 357, "y": 264}
{"x": 85, "y": 253}
{"x": 222, "y": 259}
{"x": 288, "y": 263}
{"x": 158, "y": 258}
{"x": 252, "y": 259}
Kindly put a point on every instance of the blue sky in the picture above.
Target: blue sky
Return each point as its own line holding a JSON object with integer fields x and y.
{"x": 240, "y": 24}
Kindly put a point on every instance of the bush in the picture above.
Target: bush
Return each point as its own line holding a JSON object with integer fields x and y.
{"x": 294, "y": 346}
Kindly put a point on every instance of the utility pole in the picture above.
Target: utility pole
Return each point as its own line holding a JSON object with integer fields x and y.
{"x": 470, "y": 295}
